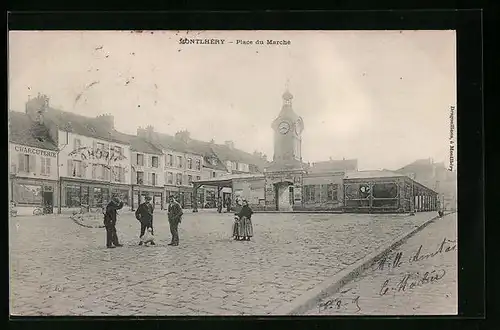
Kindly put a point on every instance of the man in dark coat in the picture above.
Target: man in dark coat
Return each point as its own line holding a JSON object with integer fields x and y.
{"x": 144, "y": 214}
{"x": 174, "y": 218}
{"x": 110, "y": 222}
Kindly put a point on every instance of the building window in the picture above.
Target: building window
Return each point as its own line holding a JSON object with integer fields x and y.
{"x": 105, "y": 173}
{"x": 78, "y": 144}
{"x": 45, "y": 170}
{"x": 189, "y": 163}
{"x": 198, "y": 165}
{"x": 75, "y": 168}
{"x": 25, "y": 163}
{"x": 190, "y": 179}
{"x": 213, "y": 174}
{"x": 140, "y": 177}
{"x": 169, "y": 177}
{"x": 140, "y": 159}
{"x": 117, "y": 151}
{"x": 154, "y": 161}
{"x": 118, "y": 174}
{"x": 178, "y": 179}
{"x": 100, "y": 146}
{"x": 170, "y": 160}
{"x": 153, "y": 179}
{"x": 179, "y": 161}
{"x": 198, "y": 178}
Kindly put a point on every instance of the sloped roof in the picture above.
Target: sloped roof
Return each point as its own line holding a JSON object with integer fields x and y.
{"x": 165, "y": 141}
{"x": 205, "y": 149}
{"x": 335, "y": 165}
{"x": 141, "y": 145}
{"x": 24, "y": 131}
{"x": 225, "y": 153}
{"x": 371, "y": 174}
{"x": 86, "y": 126}
{"x": 418, "y": 165}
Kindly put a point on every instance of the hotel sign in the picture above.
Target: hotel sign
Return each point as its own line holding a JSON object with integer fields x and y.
{"x": 35, "y": 151}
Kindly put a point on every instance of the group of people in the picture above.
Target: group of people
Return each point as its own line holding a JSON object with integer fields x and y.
{"x": 242, "y": 227}
{"x": 144, "y": 214}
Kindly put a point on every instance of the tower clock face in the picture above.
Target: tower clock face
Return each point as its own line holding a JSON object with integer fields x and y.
{"x": 284, "y": 127}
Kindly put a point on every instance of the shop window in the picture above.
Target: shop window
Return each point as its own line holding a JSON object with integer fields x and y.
{"x": 385, "y": 190}
{"x": 309, "y": 193}
{"x": 28, "y": 194}
{"x": 73, "y": 196}
{"x": 332, "y": 193}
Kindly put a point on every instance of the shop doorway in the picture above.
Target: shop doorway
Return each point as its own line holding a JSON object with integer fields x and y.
{"x": 48, "y": 204}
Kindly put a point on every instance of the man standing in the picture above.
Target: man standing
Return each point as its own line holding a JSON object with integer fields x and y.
{"x": 174, "y": 218}
{"x": 144, "y": 214}
{"x": 110, "y": 222}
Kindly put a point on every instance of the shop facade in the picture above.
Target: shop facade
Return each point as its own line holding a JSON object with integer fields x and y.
{"x": 88, "y": 193}
{"x": 157, "y": 195}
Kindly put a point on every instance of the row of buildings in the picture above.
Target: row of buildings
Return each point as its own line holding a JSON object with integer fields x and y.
{"x": 60, "y": 161}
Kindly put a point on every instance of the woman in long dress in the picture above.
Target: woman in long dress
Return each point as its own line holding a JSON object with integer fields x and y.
{"x": 237, "y": 220}
{"x": 245, "y": 225}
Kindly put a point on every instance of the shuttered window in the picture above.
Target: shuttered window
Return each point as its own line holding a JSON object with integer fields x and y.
{"x": 42, "y": 162}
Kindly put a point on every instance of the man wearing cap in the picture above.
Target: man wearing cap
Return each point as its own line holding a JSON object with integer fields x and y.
{"x": 144, "y": 214}
{"x": 110, "y": 222}
{"x": 174, "y": 218}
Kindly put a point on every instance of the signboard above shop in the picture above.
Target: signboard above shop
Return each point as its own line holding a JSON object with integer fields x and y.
{"x": 35, "y": 151}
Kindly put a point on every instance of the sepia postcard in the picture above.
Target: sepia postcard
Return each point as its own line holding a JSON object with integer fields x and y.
{"x": 169, "y": 173}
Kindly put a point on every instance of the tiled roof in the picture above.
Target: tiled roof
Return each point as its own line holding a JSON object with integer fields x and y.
{"x": 225, "y": 153}
{"x": 371, "y": 174}
{"x": 140, "y": 145}
{"x": 335, "y": 165}
{"x": 165, "y": 141}
{"x": 82, "y": 125}
{"x": 26, "y": 132}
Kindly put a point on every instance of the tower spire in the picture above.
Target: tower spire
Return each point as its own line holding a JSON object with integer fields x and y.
{"x": 287, "y": 96}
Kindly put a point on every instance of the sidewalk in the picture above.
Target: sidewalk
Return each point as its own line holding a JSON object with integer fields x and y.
{"x": 418, "y": 278}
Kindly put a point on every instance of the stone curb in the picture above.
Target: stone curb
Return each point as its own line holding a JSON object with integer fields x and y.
{"x": 329, "y": 287}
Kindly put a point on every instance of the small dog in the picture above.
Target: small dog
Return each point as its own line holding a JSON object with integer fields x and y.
{"x": 148, "y": 237}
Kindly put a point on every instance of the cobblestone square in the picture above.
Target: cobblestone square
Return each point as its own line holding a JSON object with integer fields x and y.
{"x": 60, "y": 268}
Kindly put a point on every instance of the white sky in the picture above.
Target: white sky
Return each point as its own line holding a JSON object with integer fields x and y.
{"x": 383, "y": 97}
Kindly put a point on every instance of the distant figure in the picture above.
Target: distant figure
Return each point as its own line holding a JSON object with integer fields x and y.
{"x": 245, "y": 227}
{"x": 110, "y": 222}
{"x": 174, "y": 219}
{"x": 13, "y": 210}
{"x": 440, "y": 213}
{"x": 144, "y": 214}
{"x": 228, "y": 204}
{"x": 219, "y": 205}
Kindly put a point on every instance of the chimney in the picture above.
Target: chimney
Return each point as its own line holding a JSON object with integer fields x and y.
{"x": 183, "y": 136}
{"x": 108, "y": 120}
{"x": 229, "y": 144}
{"x": 37, "y": 107}
{"x": 149, "y": 132}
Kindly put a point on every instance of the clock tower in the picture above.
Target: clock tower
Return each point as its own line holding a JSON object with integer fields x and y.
{"x": 288, "y": 127}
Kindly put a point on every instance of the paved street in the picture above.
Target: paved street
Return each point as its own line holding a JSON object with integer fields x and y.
{"x": 408, "y": 281}
{"x": 60, "y": 268}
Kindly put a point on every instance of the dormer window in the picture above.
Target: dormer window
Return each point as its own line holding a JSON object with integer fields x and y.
{"x": 40, "y": 139}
